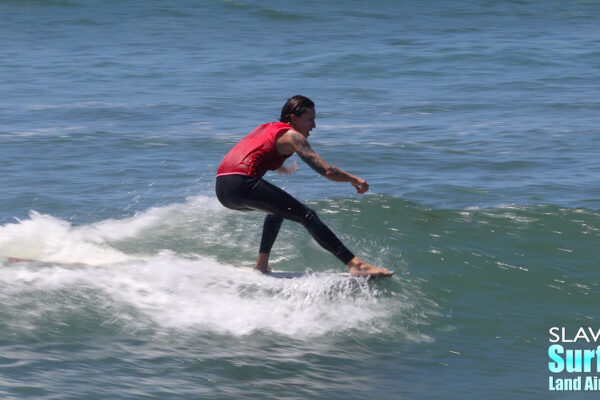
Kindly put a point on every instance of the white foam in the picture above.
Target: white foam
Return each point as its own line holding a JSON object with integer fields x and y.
{"x": 46, "y": 238}
{"x": 164, "y": 290}
{"x": 204, "y": 295}
{"x": 167, "y": 292}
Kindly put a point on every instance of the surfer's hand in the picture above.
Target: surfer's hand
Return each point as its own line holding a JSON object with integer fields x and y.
{"x": 361, "y": 185}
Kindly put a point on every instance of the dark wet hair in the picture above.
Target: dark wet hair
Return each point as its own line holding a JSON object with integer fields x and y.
{"x": 296, "y": 105}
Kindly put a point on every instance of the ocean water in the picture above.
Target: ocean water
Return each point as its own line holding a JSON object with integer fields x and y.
{"x": 475, "y": 123}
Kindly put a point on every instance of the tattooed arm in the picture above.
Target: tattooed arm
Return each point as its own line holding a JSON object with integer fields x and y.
{"x": 301, "y": 146}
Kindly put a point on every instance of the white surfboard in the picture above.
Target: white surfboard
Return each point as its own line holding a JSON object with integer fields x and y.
{"x": 305, "y": 274}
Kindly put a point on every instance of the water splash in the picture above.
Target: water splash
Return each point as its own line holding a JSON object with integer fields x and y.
{"x": 81, "y": 276}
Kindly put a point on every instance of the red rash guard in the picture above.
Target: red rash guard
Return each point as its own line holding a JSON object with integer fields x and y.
{"x": 255, "y": 154}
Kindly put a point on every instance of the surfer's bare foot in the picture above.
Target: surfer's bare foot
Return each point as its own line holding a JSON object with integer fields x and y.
{"x": 262, "y": 263}
{"x": 264, "y": 270}
{"x": 358, "y": 267}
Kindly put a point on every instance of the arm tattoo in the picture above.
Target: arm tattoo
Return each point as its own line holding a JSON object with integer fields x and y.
{"x": 308, "y": 155}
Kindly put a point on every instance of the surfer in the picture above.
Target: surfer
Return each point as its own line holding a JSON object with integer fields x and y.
{"x": 240, "y": 185}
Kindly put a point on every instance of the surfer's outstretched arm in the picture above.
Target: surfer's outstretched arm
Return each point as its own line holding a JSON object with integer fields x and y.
{"x": 310, "y": 157}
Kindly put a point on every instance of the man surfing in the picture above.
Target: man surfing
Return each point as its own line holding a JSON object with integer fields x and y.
{"x": 240, "y": 186}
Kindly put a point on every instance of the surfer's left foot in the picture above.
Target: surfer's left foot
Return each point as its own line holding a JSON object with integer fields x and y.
{"x": 262, "y": 263}
{"x": 358, "y": 267}
{"x": 263, "y": 270}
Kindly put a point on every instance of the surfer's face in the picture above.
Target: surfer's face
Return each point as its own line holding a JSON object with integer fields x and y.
{"x": 304, "y": 123}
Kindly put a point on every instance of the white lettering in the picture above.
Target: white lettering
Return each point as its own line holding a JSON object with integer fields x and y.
{"x": 591, "y": 383}
{"x": 581, "y": 334}
{"x": 552, "y": 332}
{"x": 588, "y": 334}
{"x": 595, "y": 335}
{"x": 564, "y": 336}
{"x": 565, "y": 384}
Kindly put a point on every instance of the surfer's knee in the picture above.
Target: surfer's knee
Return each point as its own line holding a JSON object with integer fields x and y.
{"x": 310, "y": 217}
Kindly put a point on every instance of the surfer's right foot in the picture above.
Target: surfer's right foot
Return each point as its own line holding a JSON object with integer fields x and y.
{"x": 358, "y": 267}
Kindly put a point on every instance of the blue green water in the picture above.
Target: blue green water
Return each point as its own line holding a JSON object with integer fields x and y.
{"x": 475, "y": 123}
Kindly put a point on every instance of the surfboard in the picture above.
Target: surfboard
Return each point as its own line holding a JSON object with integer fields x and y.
{"x": 16, "y": 259}
{"x": 305, "y": 274}
{"x": 273, "y": 274}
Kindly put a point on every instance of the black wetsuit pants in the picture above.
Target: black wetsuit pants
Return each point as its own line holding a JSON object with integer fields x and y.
{"x": 244, "y": 193}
